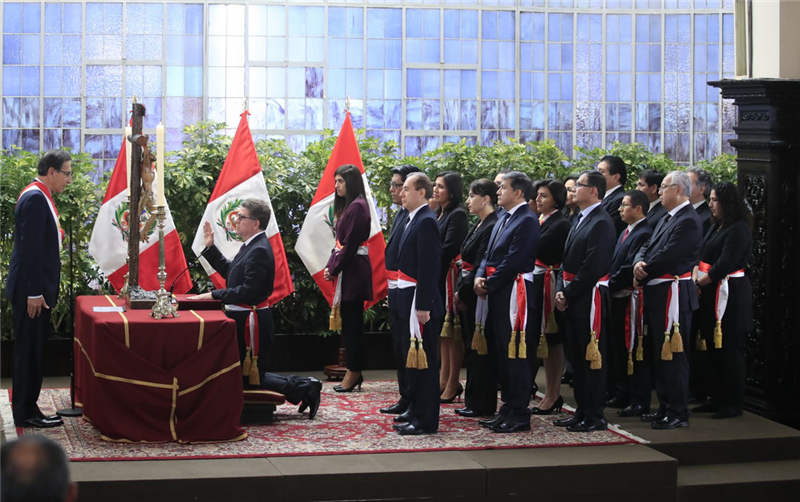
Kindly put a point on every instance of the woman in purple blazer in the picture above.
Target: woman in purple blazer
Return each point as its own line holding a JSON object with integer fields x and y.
{"x": 349, "y": 265}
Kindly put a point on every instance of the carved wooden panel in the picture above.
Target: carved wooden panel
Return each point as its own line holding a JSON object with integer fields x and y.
{"x": 754, "y": 187}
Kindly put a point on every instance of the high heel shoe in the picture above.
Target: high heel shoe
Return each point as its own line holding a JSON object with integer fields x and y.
{"x": 358, "y": 383}
{"x": 556, "y": 408}
{"x": 452, "y": 399}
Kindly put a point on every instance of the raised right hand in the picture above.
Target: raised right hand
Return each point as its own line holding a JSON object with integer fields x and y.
{"x": 208, "y": 235}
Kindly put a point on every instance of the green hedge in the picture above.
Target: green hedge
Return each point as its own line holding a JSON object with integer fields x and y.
{"x": 292, "y": 180}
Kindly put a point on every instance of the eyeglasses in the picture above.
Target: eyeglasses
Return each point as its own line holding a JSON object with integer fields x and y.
{"x": 664, "y": 187}
{"x": 68, "y": 174}
{"x": 395, "y": 186}
{"x": 626, "y": 205}
{"x": 577, "y": 186}
{"x": 240, "y": 217}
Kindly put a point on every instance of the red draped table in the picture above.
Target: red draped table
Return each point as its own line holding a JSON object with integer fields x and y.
{"x": 145, "y": 380}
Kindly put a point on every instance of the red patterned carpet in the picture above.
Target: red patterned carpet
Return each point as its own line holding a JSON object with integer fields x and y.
{"x": 345, "y": 424}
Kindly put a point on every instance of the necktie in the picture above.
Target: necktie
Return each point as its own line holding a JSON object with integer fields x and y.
{"x": 625, "y": 235}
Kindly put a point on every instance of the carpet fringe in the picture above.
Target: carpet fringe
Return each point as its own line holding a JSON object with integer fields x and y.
{"x": 7, "y": 416}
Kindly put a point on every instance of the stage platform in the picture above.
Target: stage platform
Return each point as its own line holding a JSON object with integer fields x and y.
{"x": 748, "y": 458}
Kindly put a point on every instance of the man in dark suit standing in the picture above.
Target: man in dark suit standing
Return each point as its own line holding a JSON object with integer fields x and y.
{"x": 32, "y": 287}
{"x": 249, "y": 280}
{"x": 701, "y": 188}
{"x": 620, "y": 285}
{"x": 510, "y": 255}
{"x": 419, "y": 303}
{"x": 582, "y": 290}
{"x": 650, "y": 183}
{"x": 399, "y": 175}
{"x": 614, "y": 171}
{"x": 664, "y": 268}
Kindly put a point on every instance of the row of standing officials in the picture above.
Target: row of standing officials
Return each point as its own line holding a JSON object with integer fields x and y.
{"x": 629, "y": 291}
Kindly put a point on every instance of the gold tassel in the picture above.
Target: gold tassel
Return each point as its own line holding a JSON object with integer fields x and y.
{"x": 411, "y": 360}
{"x": 551, "y": 326}
{"x": 422, "y": 357}
{"x": 543, "y": 352}
{"x": 523, "y": 346}
{"x": 335, "y": 319}
{"x": 457, "y": 329}
{"x": 701, "y": 343}
{"x": 640, "y": 348}
{"x": 666, "y": 348}
{"x": 512, "y": 345}
{"x": 479, "y": 341}
{"x": 630, "y": 363}
{"x": 246, "y": 363}
{"x": 254, "y": 378}
{"x": 597, "y": 357}
{"x": 591, "y": 348}
{"x": 718, "y": 335}
{"x": 447, "y": 327}
{"x": 677, "y": 340}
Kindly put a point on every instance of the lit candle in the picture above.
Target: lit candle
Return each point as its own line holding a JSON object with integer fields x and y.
{"x": 160, "y": 164}
{"x": 128, "y": 149}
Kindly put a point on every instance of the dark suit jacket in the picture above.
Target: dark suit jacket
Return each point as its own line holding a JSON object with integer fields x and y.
{"x": 395, "y": 234}
{"x": 655, "y": 214}
{"x": 472, "y": 252}
{"x": 587, "y": 254}
{"x": 611, "y": 204}
{"x": 420, "y": 257}
{"x": 35, "y": 266}
{"x": 624, "y": 254}
{"x": 453, "y": 227}
{"x": 512, "y": 249}
{"x": 352, "y": 230}
{"x": 249, "y": 277}
{"x": 704, "y": 212}
{"x": 554, "y": 233}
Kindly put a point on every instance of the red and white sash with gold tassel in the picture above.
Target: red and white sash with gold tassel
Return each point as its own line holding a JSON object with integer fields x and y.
{"x": 720, "y": 299}
{"x": 416, "y": 358}
{"x": 335, "y": 321}
{"x": 634, "y": 327}
{"x": 548, "y": 301}
{"x": 672, "y": 320}
{"x": 251, "y": 338}
{"x": 595, "y": 320}
{"x": 38, "y": 185}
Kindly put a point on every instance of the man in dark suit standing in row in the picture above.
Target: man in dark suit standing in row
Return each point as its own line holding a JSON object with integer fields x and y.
{"x": 249, "y": 280}
{"x": 419, "y": 306}
{"x": 582, "y": 289}
{"x": 614, "y": 171}
{"x": 701, "y": 189}
{"x": 33, "y": 279}
{"x": 633, "y": 209}
{"x": 510, "y": 254}
{"x": 650, "y": 183}
{"x": 664, "y": 268}
{"x": 399, "y": 175}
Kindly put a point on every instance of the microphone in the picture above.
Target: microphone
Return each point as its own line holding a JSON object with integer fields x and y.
{"x": 184, "y": 271}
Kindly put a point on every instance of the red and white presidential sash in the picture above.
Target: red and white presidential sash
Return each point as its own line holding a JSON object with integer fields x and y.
{"x": 634, "y": 327}
{"x": 41, "y": 187}
{"x": 672, "y": 320}
{"x": 548, "y": 304}
{"x": 517, "y": 313}
{"x": 250, "y": 363}
{"x": 452, "y": 323}
{"x": 720, "y": 299}
{"x": 417, "y": 358}
{"x": 595, "y": 319}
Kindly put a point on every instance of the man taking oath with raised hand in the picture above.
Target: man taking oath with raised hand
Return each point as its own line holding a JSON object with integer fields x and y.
{"x": 510, "y": 255}
{"x": 664, "y": 267}
{"x": 583, "y": 297}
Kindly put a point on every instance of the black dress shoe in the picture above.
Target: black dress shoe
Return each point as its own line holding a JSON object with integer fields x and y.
{"x": 667, "y": 423}
{"x": 597, "y": 425}
{"x": 617, "y": 402}
{"x": 313, "y": 397}
{"x": 397, "y": 408}
{"x": 403, "y": 417}
{"x": 413, "y": 430}
{"x": 566, "y": 422}
{"x": 632, "y": 410}
{"x": 39, "y": 423}
{"x": 723, "y": 414}
{"x": 491, "y": 422}
{"x": 397, "y": 427}
{"x": 707, "y": 407}
{"x": 466, "y": 412}
{"x": 652, "y": 417}
{"x": 511, "y": 426}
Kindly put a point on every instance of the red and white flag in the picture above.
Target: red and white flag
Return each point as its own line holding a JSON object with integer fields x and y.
{"x": 317, "y": 239}
{"x": 109, "y": 242}
{"x": 241, "y": 178}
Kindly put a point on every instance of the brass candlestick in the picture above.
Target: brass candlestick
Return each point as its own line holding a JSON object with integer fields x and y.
{"x": 125, "y": 289}
{"x": 163, "y": 306}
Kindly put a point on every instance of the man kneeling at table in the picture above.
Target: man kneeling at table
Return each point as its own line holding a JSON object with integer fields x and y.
{"x": 249, "y": 279}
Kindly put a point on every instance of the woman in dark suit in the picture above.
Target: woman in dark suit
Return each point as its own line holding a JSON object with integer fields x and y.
{"x": 481, "y": 391}
{"x": 571, "y": 210}
{"x": 727, "y": 248}
{"x": 448, "y": 192}
{"x": 350, "y": 267}
{"x": 551, "y": 197}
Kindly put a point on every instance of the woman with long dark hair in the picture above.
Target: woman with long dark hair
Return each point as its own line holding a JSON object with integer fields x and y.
{"x": 571, "y": 209}
{"x": 480, "y": 394}
{"x": 350, "y": 269}
{"x": 448, "y": 192}
{"x": 725, "y": 319}
{"x": 551, "y": 197}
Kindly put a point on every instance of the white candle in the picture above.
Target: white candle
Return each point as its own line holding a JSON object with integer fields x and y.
{"x": 128, "y": 148}
{"x": 161, "y": 144}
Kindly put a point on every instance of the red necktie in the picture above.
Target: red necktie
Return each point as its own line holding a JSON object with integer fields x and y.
{"x": 625, "y": 235}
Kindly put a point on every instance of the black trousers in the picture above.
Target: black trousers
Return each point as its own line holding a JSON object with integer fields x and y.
{"x": 589, "y": 384}
{"x": 480, "y": 393}
{"x": 618, "y": 385}
{"x": 266, "y": 331}
{"x": 640, "y": 384}
{"x": 424, "y": 384}
{"x": 399, "y": 335}
{"x": 725, "y": 371}
{"x": 30, "y": 337}
{"x": 353, "y": 333}
{"x": 293, "y": 387}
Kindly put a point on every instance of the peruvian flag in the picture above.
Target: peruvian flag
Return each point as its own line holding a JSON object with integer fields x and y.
{"x": 109, "y": 242}
{"x": 316, "y": 239}
{"x": 241, "y": 178}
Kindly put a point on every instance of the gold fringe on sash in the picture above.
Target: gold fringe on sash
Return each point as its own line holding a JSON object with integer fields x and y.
{"x": 422, "y": 357}
{"x": 640, "y": 348}
{"x": 718, "y": 335}
{"x": 701, "y": 343}
{"x": 543, "y": 352}
{"x": 255, "y": 379}
{"x": 512, "y": 345}
{"x": 593, "y": 354}
{"x": 447, "y": 327}
{"x": 412, "y": 358}
{"x": 630, "y": 363}
{"x": 551, "y": 326}
{"x": 335, "y": 320}
{"x": 523, "y": 346}
{"x": 677, "y": 340}
{"x": 479, "y": 341}
{"x": 666, "y": 348}
{"x": 246, "y": 364}
{"x": 457, "y": 337}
